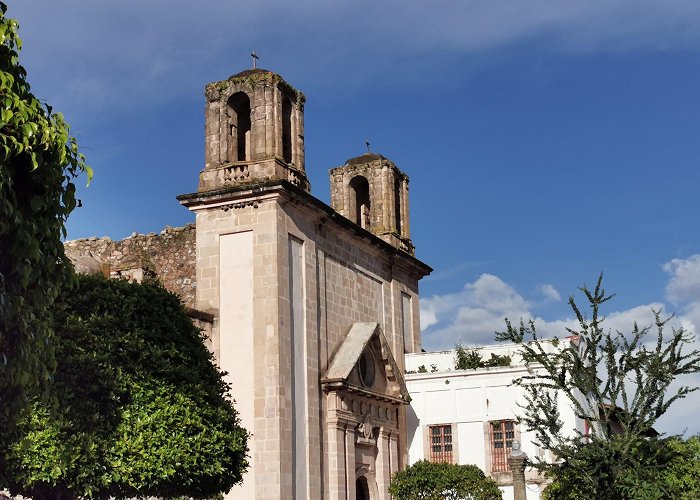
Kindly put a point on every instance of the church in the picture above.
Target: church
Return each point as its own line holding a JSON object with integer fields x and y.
{"x": 310, "y": 308}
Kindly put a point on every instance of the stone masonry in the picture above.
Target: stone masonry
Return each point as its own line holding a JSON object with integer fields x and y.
{"x": 170, "y": 256}
{"x": 254, "y": 130}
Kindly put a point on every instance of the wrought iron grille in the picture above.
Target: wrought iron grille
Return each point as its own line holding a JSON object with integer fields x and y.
{"x": 502, "y": 436}
{"x": 441, "y": 443}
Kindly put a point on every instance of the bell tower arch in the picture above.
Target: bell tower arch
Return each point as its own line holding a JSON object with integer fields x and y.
{"x": 238, "y": 133}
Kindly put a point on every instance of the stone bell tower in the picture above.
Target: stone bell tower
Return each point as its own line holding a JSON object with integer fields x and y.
{"x": 254, "y": 131}
{"x": 371, "y": 191}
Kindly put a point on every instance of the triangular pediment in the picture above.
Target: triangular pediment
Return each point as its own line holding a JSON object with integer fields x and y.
{"x": 364, "y": 363}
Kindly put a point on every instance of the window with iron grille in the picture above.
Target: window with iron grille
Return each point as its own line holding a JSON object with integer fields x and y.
{"x": 440, "y": 443}
{"x": 502, "y": 436}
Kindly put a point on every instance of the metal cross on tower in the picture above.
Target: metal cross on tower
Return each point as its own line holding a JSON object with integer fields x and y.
{"x": 255, "y": 59}
{"x": 367, "y": 144}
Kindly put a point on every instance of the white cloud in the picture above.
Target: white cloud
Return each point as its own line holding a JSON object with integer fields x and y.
{"x": 550, "y": 292}
{"x": 471, "y": 315}
{"x": 683, "y": 289}
{"x": 684, "y": 285}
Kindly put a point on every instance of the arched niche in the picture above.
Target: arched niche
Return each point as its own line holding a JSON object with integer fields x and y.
{"x": 397, "y": 203}
{"x": 360, "y": 201}
{"x": 238, "y": 123}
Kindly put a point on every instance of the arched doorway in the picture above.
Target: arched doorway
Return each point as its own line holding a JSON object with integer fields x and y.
{"x": 362, "y": 489}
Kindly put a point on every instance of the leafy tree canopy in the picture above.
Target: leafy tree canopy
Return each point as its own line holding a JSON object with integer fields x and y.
{"x": 619, "y": 382}
{"x": 38, "y": 161}
{"x": 142, "y": 410}
{"x": 426, "y": 480}
{"x": 655, "y": 470}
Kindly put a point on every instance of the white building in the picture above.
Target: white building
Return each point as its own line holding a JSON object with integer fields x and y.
{"x": 469, "y": 416}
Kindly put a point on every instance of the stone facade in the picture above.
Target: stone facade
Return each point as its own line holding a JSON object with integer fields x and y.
{"x": 277, "y": 347}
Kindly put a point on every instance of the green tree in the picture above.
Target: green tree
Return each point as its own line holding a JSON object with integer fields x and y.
{"x": 38, "y": 161}
{"x": 142, "y": 410}
{"x": 660, "y": 469}
{"x": 682, "y": 476}
{"x": 467, "y": 359}
{"x": 620, "y": 383}
{"x": 426, "y": 480}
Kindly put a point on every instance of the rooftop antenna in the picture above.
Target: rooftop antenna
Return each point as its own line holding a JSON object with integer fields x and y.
{"x": 255, "y": 59}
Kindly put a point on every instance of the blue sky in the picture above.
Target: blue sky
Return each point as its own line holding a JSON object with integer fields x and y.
{"x": 546, "y": 141}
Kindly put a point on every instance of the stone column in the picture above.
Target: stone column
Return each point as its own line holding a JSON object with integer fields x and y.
{"x": 293, "y": 134}
{"x": 298, "y": 137}
{"x": 405, "y": 227}
{"x": 350, "y": 460}
{"x": 273, "y": 117}
{"x": 517, "y": 465}
{"x": 349, "y": 201}
{"x": 273, "y": 121}
{"x": 212, "y": 134}
{"x": 387, "y": 198}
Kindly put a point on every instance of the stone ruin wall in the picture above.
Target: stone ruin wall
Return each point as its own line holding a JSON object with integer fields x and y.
{"x": 170, "y": 256}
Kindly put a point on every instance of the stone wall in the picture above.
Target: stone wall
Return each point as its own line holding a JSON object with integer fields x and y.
{"x": 169, "y": 256}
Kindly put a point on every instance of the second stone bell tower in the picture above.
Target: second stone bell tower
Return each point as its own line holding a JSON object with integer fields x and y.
{"x": 371, "y": 191}
{"x": 254, "y": 131}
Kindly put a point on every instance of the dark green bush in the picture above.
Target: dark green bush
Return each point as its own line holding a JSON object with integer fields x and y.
{"x": 470, "y": 359}
{"x": 437, "y": 481}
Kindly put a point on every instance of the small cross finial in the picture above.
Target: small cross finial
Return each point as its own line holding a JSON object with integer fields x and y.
{"x": 367, "y": 144}
{"x": 255, "y": 59}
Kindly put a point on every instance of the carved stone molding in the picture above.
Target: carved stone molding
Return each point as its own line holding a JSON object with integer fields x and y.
{"x": 366, "y": 432}
{"x": 244, "y": 204}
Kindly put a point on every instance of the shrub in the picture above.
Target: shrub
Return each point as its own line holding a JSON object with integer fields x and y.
{"x": 438, "y": 481}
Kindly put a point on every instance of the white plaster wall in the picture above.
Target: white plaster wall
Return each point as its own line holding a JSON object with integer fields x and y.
{"x": 469, "y": 398}
{"x": 471, "y": 447}
{"x": 236, "y": 335}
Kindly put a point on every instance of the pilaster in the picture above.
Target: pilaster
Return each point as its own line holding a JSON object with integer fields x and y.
{"x": 350, "y": 459}
{"x": 383, "y": 466}
{"x": 336, "y": 459}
